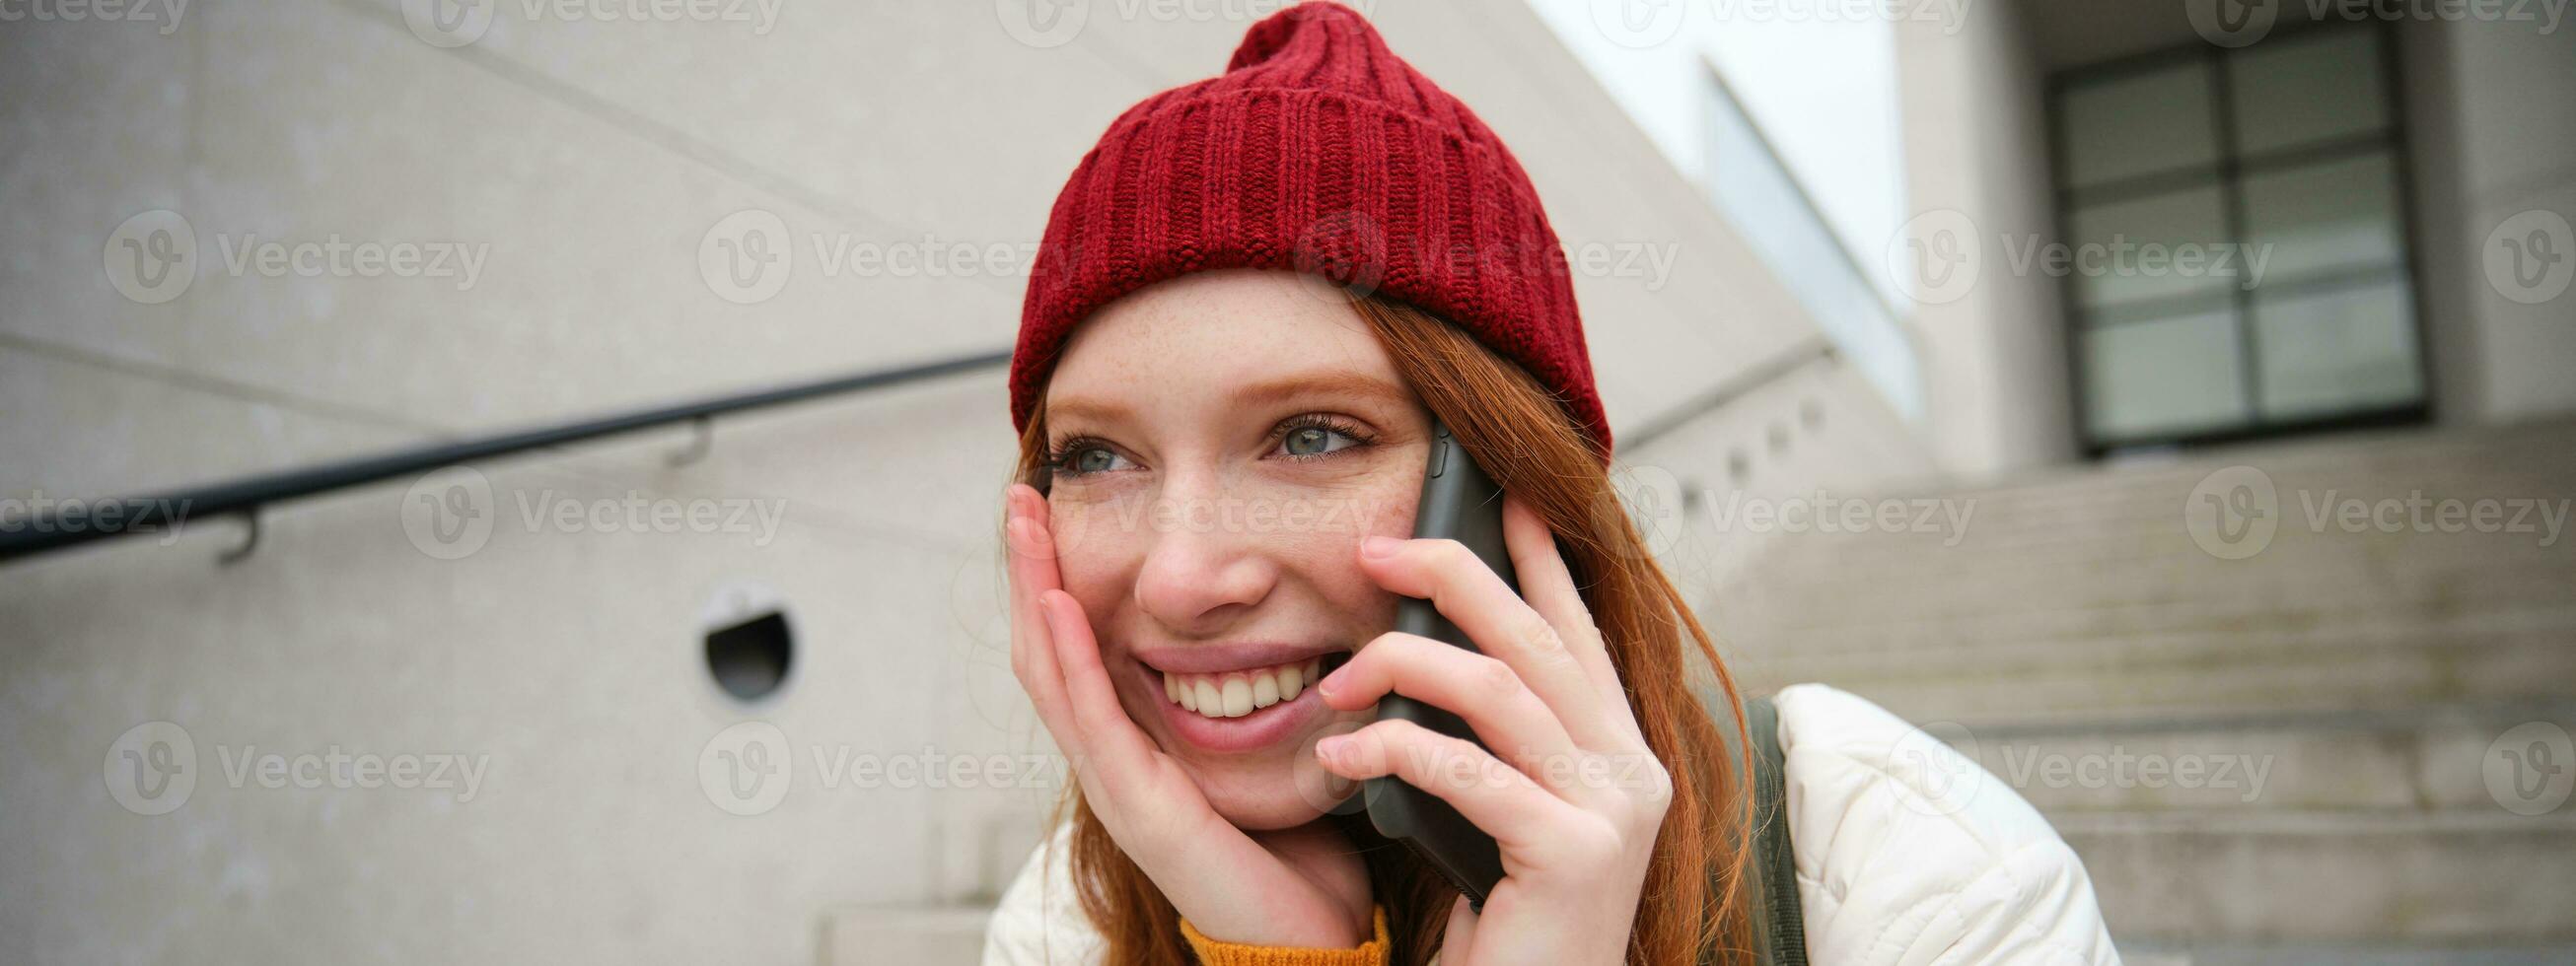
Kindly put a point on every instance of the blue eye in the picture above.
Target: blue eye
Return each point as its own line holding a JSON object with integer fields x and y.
{"x": 1083, "y": 456}
{"x": 1311, "y": 436}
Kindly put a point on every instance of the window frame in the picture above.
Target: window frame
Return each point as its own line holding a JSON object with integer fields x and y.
{"x": 2228, "y": 174}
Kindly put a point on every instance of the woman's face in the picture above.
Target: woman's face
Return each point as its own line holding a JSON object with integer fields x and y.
{"x": 1229, "y": 438}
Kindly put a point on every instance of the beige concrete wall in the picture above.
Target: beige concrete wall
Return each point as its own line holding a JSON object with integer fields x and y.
{"x": 2493, "y": 160}
{"x": 1977, "y": 159}
{"x": 590, "y": 164}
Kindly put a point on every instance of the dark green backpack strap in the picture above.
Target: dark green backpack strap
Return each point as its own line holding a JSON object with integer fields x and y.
{"x": 1779, "y": 928}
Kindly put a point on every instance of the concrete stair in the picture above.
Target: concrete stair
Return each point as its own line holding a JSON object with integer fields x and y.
{"x": 2339, "y": 700}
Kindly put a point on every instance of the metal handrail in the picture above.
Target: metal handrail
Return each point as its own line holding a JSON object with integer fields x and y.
{"x": 91, "y": 521}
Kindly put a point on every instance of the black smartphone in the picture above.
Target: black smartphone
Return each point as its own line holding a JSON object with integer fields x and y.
{"x": 1459, "y": 502}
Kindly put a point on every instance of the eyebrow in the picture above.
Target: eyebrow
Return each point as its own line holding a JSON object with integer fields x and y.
{"x": 1301, "y": 385}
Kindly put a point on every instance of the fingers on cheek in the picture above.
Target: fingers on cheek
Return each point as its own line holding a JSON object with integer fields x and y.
{"x": 1359, "y": 754}
{"x": 1355, "y": 685}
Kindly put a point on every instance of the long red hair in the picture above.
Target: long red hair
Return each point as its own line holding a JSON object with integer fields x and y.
{"x": 1694, "y": 906}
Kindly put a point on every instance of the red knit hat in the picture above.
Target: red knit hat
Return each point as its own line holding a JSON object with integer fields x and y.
{"x": 1316, "y": 151}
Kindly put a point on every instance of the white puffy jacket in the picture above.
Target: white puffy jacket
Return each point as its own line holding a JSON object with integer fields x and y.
{"x": 1907, "y": 852}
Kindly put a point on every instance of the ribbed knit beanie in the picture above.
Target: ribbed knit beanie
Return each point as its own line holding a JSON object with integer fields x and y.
{"x": 1317, "y": 151}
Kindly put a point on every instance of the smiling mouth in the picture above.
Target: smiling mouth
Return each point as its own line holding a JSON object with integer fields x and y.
{"x": 1234, "y": 694}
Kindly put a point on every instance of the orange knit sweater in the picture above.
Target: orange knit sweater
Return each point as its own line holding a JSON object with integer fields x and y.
{"x": 1214, "y": 953}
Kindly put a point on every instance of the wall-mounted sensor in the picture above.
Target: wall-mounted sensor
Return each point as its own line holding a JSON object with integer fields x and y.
{"x": 750, "y": 644}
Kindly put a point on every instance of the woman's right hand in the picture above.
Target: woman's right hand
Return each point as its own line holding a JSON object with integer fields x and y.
{"x": 1303, "y": 887}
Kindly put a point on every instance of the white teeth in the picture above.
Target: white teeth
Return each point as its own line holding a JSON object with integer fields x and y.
{"x": 1238, "y": 693}
{"x": 1211, "y": 703}
{"x": 1238, "y": 696}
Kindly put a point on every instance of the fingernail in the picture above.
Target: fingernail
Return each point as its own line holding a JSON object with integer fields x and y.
{"x": 1330, "y": 748}
{"x": 1330, "y": 682}
{"x": 1379, "y": 546}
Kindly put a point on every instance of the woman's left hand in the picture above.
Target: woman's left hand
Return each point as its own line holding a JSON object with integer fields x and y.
{"x": 1577, "y": 807}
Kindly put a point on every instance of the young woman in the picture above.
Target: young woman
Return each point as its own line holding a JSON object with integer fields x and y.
{"x": 1253, "y": 299}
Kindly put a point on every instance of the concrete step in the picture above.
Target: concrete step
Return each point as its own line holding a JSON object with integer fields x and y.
{"x": 1764, "y": 630}
{"x": 2158, "y": 951}
{"x": 2477, "y": 877}
{"x": 903, "y": 935}
{"x": 2356, "y": 460}
{"x": 2336, "y": 676}
{"x": 2425, "y": 758}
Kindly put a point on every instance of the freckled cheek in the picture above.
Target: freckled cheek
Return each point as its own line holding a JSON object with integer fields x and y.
{"x": 1385, "y": 510}
{"x": 1098, "y": 568}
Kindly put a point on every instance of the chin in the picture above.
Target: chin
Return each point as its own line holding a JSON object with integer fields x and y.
{"x": 1281, "y": 787}
{"x": 1273, "y": 794}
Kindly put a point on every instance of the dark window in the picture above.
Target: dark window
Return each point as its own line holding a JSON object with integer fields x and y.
{"x": 2237, "y": 221}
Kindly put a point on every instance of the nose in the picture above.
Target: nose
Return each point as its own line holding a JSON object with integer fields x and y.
{"x": 1203, "y": 568}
